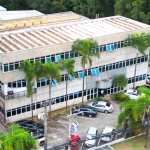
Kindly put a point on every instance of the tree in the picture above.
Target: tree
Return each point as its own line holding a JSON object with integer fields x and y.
{"x": 136, "y": 9}
{"x": 33, "y": 71}
{"x": 17, "y": 139}
{"x": 86, "y": 48}
{"x": 51, "y": 71}
{"x": 68, "y": 67}
{"x": 135, "y": 111}
{"x": 140, "y": 42}
{"x": 120, "y": 80}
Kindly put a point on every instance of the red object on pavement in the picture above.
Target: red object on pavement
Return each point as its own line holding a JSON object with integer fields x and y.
{"x": 75, "y": 138}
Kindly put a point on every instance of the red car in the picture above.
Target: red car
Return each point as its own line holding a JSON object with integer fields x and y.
{"x": 74, "y": 139}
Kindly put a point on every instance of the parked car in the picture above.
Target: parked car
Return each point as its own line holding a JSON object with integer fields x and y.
{"x": 102, "y": 106}
{"x": 31, "y": 126}
{"x": 132, "y": 93}
{"x": 88, "y": 112}
{"x": 109, "y": 131}
{"x": 87, "y": 106}
{"x": 90, "y": 137}
{"x": 40, "y": 139}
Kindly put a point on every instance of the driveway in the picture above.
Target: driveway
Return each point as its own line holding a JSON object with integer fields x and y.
{"x": 100, "y": 121}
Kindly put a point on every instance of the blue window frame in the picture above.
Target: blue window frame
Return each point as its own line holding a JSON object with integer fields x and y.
{"x": 57, "y": 58}
{"x": 71, "y": 77}
{"x": 93, "y": 72}
{"x": 144, "y": 76}
{"x": 54, "y": 82}
{"x": 80, "y": 75}
{"x": 110, "y": 47}
{"x": 48, "y": 59}
{"x": 97, "y": 71}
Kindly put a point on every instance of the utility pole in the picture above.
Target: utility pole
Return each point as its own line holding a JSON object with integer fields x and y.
{"x": 43, "y": 116}
{"x": 70, "y": 117}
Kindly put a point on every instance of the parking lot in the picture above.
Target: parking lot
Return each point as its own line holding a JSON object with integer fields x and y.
{"x": 100, "y": 121}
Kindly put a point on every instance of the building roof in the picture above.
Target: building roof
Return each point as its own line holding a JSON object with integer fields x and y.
{"x": 40, "y": 36}
{"x": 10, "y": 15}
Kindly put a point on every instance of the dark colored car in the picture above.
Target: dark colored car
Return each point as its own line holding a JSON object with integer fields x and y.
{"x": 86, "y": 106}
{"x": 88, "y": 112}
{"x": 31, "y": 126}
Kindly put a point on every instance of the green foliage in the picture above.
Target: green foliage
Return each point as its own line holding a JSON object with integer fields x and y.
{"x": 16, "y": 139}
{"x": 120, "y": 80}
{"x": 139, "y": 41}
{"x": 121, "y": 96}
{"x": 135, "y": 9}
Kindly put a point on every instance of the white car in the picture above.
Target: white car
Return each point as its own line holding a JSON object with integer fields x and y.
{"x": 40, "y": 139}
{"x": 102, "y": 106}
{"x": 109, "y": 132}
{"x": 132, "y": 93}
{"x": 91, "y": 133}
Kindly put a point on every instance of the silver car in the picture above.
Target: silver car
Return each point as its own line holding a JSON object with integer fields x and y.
{"x": 109, "y": 132}
{"x": 91, "y": 133}
{"x": 102, "y": 106}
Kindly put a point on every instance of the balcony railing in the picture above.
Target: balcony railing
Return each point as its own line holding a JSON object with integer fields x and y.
{"x": 15, "y": 95}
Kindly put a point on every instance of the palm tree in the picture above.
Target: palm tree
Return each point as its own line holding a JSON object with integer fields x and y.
{"x": 140, "y": 42}
{"x": 68, "y": 66}
{"x": 51, "y": 71}
{"x": 134, "y": 110}
{"x": 86, "y": 48}
{"x": 33, "y": 71}
{"x": 120, "y": 80}
{"x": 17, "y": 139}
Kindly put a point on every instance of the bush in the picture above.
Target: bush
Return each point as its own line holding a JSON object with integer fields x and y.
{"x": 121, "y": 96}
{"x": 98, "y": 99}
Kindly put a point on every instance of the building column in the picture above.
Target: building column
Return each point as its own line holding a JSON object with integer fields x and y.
{"x": 35, "y": 84}
{"x": 5, "y": 89}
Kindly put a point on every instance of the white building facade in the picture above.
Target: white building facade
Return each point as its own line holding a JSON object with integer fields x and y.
{"x": 53, "y": 42}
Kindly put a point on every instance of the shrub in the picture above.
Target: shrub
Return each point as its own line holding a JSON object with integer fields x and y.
{"x": 121, "y": 96}
{"x": 98, "y": 99}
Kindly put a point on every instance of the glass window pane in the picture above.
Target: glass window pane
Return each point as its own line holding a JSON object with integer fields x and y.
{"x": 104, "y": 48}
{"x": 70, "y": 96}
{"x": 114, "y": 66}
{"x": 76, "y": 54}
{"x": 48, "y": 58}
{"x": 127, "y": 62}
{"x": 117, "y": 65}
{"x": 42, "y": 59}
{"x": 97, "y": 49}
{"x": 8, "y": 113}
{"x": 103, "y": 68}
{"x": 129, "y": 80}
{"x": 28, "y": 108}
{"x": 19, "y": 83}
{"x": 43, "y": 83}
{"x": 14, "y": 84}
{"x": 31, "y": 60}
{"x": 131, "y": 61}
{"x": 23, "y": 109}
{"x": 19, "y": 110}
{"x": 52, "y": 58}
{"x": 61, "y": 56}
{"x": 16, "y": 65}
{"x": 38, "y": 105}
{"x": 11, "y": 66}
{"x": 139, "y": 60}
{"x": 142, "y": 59}
{"x": 144, "y": 76}
{"x": 66, "y": 55}
{"x": 38, "y": 83}
{"x": 101, "y": 48}
{"x": 23, "y": 83}
{"x": 72, "y": 55}
{"x": 140, "y": 78}
{"x": 5, "y": 67}
{"x": 57, "y": 58}
{"x": 13, "y": 112}
{"x": 9, "y": 84}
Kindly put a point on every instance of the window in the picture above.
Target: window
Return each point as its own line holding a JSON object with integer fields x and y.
{"x": 144, "y": 76}
{"x": 80, "y": 75}
{"x": 95, "y": 71}
{"x": 57, "y": 58}
{"x": 71, "y": 77}
{"x": 16, "y": 65}
{"x": 38, "y": 105}
{"x": 70, "y": 96}
{"x": 5, "y": 67}
{"x": 43, "y": 82}
{"x": 54, "y": 82}
{"x": 127, "y": 62}
{"x": 48, "y": 59}
{"x": 11, "y": 66}
{"x": 75, "y": 94}
{"x": 23, "y": 109}
{"x": 52, "y": 58}
{"x": 72, "y": 55}
{"x": 13, "y": 112}
{"x": 19, "y": 110}
{"x": 8, "y": 113}
{"x": 103, "y": 68}
{"x": 97, "y": 49}
{"x": 110, "y": 47}
{"x": 28, "y": 107}
{"x": 66, "y": 55}
{"x": 61, "y": 56}
{"x": 19, "y": 83}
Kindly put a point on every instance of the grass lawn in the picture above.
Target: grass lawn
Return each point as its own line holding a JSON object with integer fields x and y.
{"x": 133, "y": 144}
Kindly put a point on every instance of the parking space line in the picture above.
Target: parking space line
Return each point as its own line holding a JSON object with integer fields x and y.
{"x": 81, "y": 146}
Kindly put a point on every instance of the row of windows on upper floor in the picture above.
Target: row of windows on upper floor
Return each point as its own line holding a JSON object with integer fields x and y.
{"x": 90, "y": 93}
{"x": 79, "y": 74}
{"x": 102, "y": 48}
